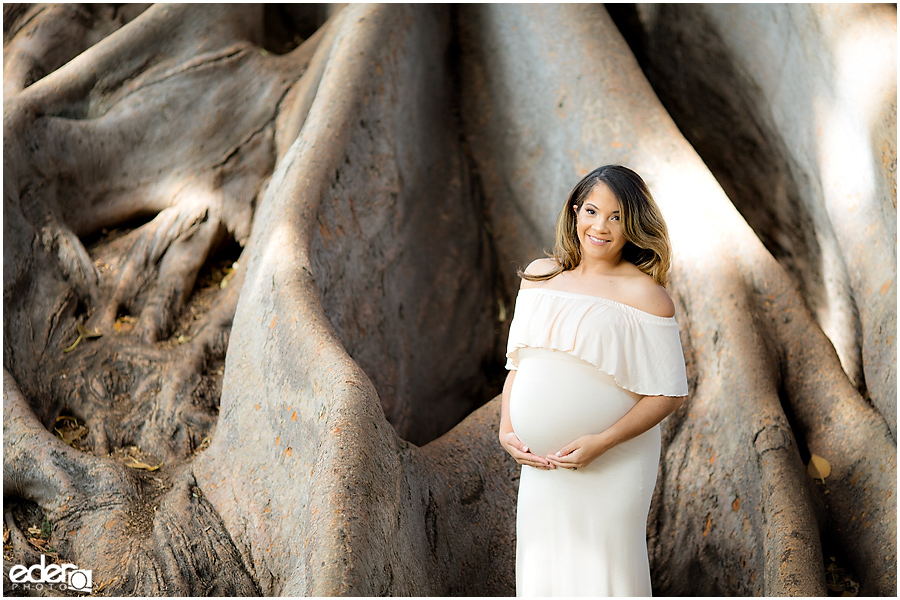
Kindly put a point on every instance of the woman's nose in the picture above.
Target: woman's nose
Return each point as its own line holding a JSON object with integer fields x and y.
{"x": 600, "y": 225}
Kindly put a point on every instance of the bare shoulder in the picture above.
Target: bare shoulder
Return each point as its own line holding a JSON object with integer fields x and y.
{"x": 541, "y": 266}
{"x": 647, "y": 295}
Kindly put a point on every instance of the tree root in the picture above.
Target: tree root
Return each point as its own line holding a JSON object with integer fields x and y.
{"x": 122, "y": 499}
{"x": 22, "y": 552}
{"x": 149, "y": 535}
{"x": 44, "y": 37}
{"x": 838, "y": 424}
{"x": 148, "y": 396}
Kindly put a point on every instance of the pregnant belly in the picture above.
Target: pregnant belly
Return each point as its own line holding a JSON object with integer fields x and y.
{"x": 557, "y": 398}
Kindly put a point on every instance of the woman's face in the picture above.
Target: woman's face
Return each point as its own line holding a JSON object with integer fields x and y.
{"x": 599, "y": 226}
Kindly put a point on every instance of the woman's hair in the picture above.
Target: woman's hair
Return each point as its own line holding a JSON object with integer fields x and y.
{"x": 646, "y": 236}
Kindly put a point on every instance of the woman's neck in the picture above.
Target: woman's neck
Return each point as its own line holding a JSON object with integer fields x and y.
{"x": 589, "y": 268}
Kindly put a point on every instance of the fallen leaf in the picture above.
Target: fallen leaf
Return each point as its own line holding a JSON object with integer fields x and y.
{"x": 70, "y": 436}
{"x": 39, "y": 544}
{"x": 229, "y": 274}
{"x": 72, "y": 347}
{"x": 818, "y": 467}
{"x": 88, "y": 333}
{"x": 83, "y": 332}
{"x": 102, "y": 585}
{"x": 136, "y": 464}
{"x": 124, "y": 324}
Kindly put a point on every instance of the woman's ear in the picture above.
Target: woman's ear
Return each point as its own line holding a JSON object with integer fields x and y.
{"x": 575, "y": 208}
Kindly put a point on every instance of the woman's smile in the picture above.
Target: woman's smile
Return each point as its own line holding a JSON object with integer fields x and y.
{"x": 598, "y": 225}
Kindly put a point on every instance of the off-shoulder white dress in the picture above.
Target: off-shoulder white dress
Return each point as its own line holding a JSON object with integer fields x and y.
{"x": 582, "y": 362}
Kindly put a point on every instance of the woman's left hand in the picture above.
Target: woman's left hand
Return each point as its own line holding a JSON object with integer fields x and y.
{"x": 580, "y": 453}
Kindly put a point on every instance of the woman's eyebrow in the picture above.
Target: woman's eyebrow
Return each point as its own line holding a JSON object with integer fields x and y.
{"x": 592, "y": 205}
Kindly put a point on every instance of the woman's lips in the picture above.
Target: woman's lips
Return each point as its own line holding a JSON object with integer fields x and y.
{"x": 597, "y": 241}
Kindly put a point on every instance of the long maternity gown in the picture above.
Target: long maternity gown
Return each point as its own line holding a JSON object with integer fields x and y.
{"x": 582, "y": 362}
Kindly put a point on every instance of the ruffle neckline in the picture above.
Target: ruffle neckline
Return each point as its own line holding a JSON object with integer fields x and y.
{"x": 639, "y": 350}
{"x": 641, "y": 314}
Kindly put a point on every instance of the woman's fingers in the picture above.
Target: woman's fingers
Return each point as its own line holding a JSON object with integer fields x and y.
{"x": 567, "y": 458}
{"x": 533, "y": 460}
{"x": 511, "y": 439}
{"x": 580, "y": 453}
{"x": 523, "y": 455}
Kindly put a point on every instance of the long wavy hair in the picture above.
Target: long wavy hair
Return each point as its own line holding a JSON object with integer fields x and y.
{"x": 646, "y": 236}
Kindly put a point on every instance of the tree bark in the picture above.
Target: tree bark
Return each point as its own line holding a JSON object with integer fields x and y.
{"x": 308, "y": 411}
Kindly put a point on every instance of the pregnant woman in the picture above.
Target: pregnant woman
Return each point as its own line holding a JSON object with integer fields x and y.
{"x": 595, "y": 364}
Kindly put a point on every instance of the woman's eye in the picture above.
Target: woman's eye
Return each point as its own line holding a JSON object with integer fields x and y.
{"x": 590, "y": 211}
{"x": 614, "y": 218}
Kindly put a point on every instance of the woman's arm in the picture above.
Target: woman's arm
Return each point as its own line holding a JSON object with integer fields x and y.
{"x": 648, "y": 412}
{"x": 508, "y": 438}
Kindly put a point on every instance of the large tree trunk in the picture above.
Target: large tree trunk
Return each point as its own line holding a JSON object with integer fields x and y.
{"x": 383, "y": 177}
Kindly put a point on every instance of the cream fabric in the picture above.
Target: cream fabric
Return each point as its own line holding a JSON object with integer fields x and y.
{"x": 582, "y": 363}
{"x": 641, "y": 351}
{"x": 583, "y": 532}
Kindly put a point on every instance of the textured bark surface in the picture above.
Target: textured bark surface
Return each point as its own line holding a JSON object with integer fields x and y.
{"x": 798, "y": 103}
{"x": 297, "y": 238}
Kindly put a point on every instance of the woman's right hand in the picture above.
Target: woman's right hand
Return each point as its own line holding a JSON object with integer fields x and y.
{"x": 508, "y": 438}
{"x": 519, "y": 451}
